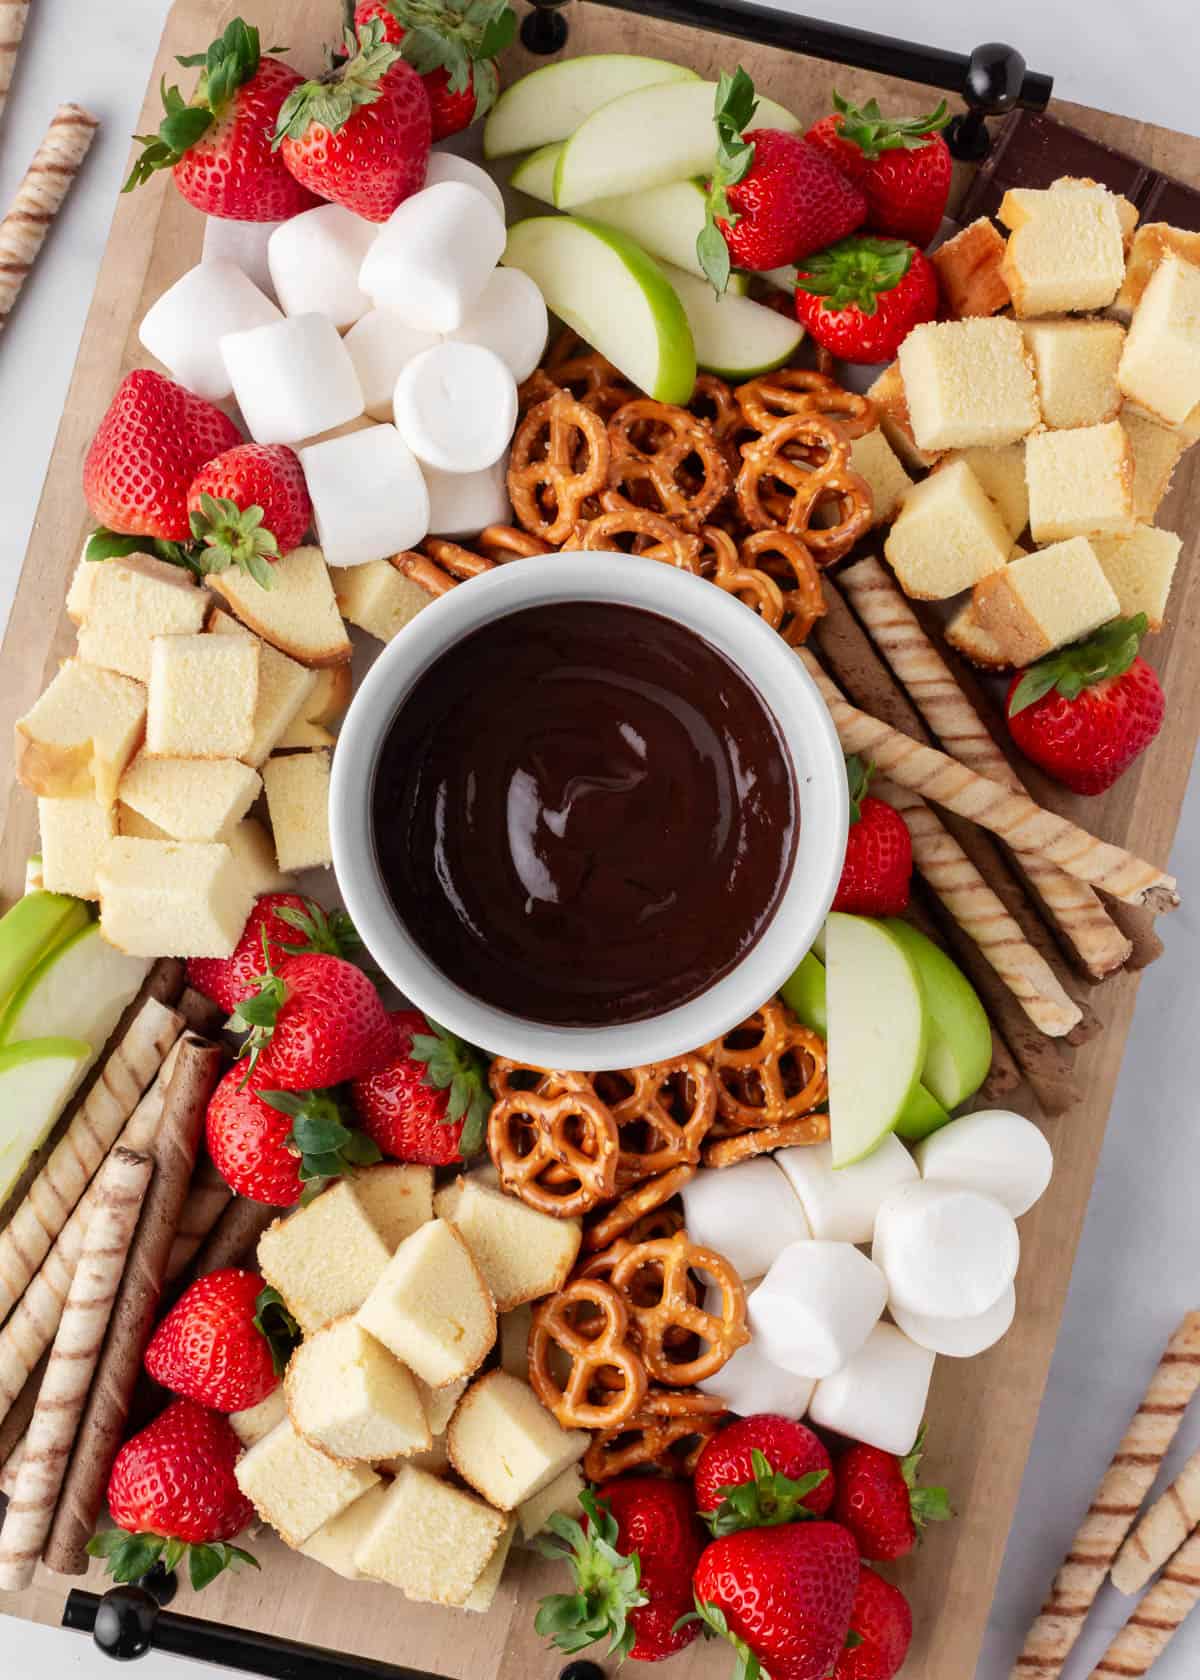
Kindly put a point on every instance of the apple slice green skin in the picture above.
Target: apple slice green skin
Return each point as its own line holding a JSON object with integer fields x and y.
{"x": 734, "y": 336}
{"x": 534, "y": 175}
{"x": 34, "y": 925}
{"x": 78, "y": 989}
{"x": 960, "y": 1035}
{"x": 36, "y": 1079}
{"x": 601, "y": 283}
{"x": 550, "y": 103}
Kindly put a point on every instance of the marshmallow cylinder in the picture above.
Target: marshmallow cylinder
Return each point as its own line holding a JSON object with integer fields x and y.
{"x": 461, "y": 504}
{"x": 293, "y": 379}
{"x": 879, "y": 1395}
{"x": 380, "y": 345}
{"x": 841, "y": 1206}
{"x": 749, "y": 1213}
{"x": 184, "y": 328}
{"x": 945, "y": 1253}
{"x": 960, "y": 1338}
{"x": 314, "y": 260}
{"x": 448, "y": 166}
{"x": 996, "y": 1152}
{"x": 748, "y": 1382}
{"x": 510, "y": 318}
{"x": 242, "y": 243}
{"x": 456, "y": 407}
{"x": 369, "y": 499}
{"x": 431, "y": 258}
{"x": 816, "y": 1307}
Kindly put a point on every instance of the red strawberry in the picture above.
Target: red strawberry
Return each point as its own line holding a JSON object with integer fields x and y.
{"x": 1086, "y": 712}
{"x": 268, "y": 1145}
{"x": 760, "y": 1471}
{"x": 224, "y": 1343}
{"x": 249, "y": 507}
{"x": 171, "y": 1493}
{"x": 880, "y": 1632}
{"x": 148, "y": 448}
{"x": 360, "y": 136}
{"x": 877, "y": 871}
{"x": 429, "y": 1103}
{"x": 781, "y": 1596}
{"x": 902, "y": 164}
{"x": 773, "y": 199}
{"x": 454, "y": 51}
{"x": 291, "y": 925}
{"x": 861, "y": 298}
{"x": 314, "y": 1021}
{"x": 219, "y": 144}
{"x": 880, "y": 1502}
{"x": 633, "y": 1563}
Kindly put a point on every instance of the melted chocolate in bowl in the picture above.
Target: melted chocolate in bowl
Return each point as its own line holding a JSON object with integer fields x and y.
{"x": 584, "y": 814}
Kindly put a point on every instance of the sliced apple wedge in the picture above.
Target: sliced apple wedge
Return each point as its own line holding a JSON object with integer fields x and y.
{"x": 36, "y": 1079}
{"x": 550, "y": 103}
{"x": 877, "y": 1033}
{"x": 601, "y": 283}
{"x": 534, "y": 175}
{"x": 666, "y": 221}
{"x": 646, "y": 139}
{"x": 35, "y": 923}
{"x": 78, "y": 990}
{"x": 734, "y": 336}
{"x": 959, "y": 1052}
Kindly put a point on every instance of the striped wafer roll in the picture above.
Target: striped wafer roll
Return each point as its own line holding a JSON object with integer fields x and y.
{"x": 13, "y": 14}
{"x": 1161, "y": 1531}
{"x": 1013, "y": 816}
{"x": 207, "y": 1200}
{"x": 121, "y": 1189}
{"x": 12, "y": 1465}
{"x": 39, "y": 197}
{"x": 1115, "y": 1505}
{"x": 127, "y": 1072}
{"x": 1072, "y": 905}
{"x": 1158, "y": 1618}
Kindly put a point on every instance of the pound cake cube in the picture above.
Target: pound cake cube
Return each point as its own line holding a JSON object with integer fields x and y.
{"x": 298, "y": 614}
{"x": 967, "y": 636}
{"x": 297, "y": 786}
{"x": 347, "y": 1395}
{"x": 948, "y": 535}
{"x": 1140, "y": 566}
{"x": 440, "y": 1403}
{"x": 253, "y": 1422}
{"x": 325, "y": 706}
{"x": 202, "y": 696}
{"x": 1066, "y": 248}
{"x": 397, "y": 1197}
{"x": 523, "y": 1254}
{"x": 1150, "y": 245}
{"x": 970, "y": 273}
{"x": 294, "y": 1487}
{"x": 78, "y": 737}
{"x": 874, "y": 459}
{"x": 968, "y": 383}
{"x": 1160, "y": 367}
{"x": 324, "y": 1258}
{"x": 1157, "y": 451}
{"x": 176, "y": 898}
{"x": 75, "y": 834}
{"x": 284, "y": 688}
{"x": 483, "y": 1593}
{"x": 132, "y": 601}
{"x": 430, "y": 1539}
{"x": 1001, "y": 472}
{"x": 431, "y": 1306}
{"x": 887, "y": 393}
{"x": 1080, "y": 482}
{"x": 1075, "y": 363}
{"x": 504, "y": 1442}
{"x": 190, "y": 798}
{"x": 378, "y": 598}
{"x": 1045, "y": 600}
{"x": 335, "y": 1543}
{"x": 254, "y": 854}
{"x": 558, "y": 1498}
{"x": 134, "y": 826}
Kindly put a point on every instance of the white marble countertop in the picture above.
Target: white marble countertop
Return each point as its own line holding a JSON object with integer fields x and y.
{"x": 1137, "y": 1267}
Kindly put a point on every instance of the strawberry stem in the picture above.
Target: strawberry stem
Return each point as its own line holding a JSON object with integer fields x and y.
{"x": 873, "y": 133}
{"x": 858, "y": 779}
{"x": 127, "y": 1557}
{"x": 733, "y": 112}
{"x": 607, "y": 1583}
{"x": 451, "y": 1064}
{"x": 767, "y": 1501}
{"x": 713, "y": 1622}
{"x": 104, "y": 544}
{"x": 1108, "y": 653}
{"x": 234, "y": 536}
{"x": 928, "y": 1504}
{"x": 277, "y": 1327}
{"x": 855, "y": 271}
{"x": 331, "y": 102}
{"x": 463, "y": 43}
{"x": 227, "y": 65}
{"x": 327, "y": 1148}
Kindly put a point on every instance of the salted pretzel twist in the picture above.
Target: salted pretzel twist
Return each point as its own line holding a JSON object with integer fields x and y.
{"x": 763, "y": 402}
{"x": 668, "y": 1432}
{"x": 769, "y": 1070}
{"x": 786, "y": 560}
{"x": 665, "y": 459}
{"x": 587, "y": 1321}
{"x": 556, "y": 1153}
{"x": 668, "y": 1261}
{"x": 721, "y": 563}
{"x": 797, "y": 474}
{"x": 634, "y": 530}
{"x": 789, "y": 1134}
{"x": 634, "y": 1205}
{"x": 560, "y": 457}
{"x": 501, "y": 543}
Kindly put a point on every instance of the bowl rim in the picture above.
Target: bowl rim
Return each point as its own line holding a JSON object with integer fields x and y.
{"x": 775, "y": 673}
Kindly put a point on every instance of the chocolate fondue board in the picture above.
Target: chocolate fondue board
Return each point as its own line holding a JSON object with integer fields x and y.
{"x": 981, "y": 1411}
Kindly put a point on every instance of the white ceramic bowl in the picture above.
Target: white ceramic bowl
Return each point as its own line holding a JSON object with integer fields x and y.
{"x": 781, "y": 681}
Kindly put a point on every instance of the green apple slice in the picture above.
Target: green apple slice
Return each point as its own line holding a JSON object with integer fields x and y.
{"x": 960, "y": 1035}
{"x": 666, "y": 221}
{"x": 615, "y": 297}
{"x": 924, "y": 1114}
{"x": 645, "y": 139}
{"x": 77, "y": 990}
{"x": 36, "y": 1079}
{"x": 550, "y": 103}
{"x": 877, "y": 1033}
{"x": 27, "y": 931}
{"x": 535, "y": 174}
{"x": 734, "y": 336}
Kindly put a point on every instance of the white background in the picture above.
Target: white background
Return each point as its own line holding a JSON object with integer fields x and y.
{"x": 1137, "y": 1270}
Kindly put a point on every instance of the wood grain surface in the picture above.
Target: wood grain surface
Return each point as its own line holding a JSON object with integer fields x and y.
{"x": 982, "y": 1411}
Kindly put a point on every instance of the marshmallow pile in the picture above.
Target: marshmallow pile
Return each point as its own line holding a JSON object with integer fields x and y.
{"x": 930, "y": 1238}
{"x": 405, "y": 339}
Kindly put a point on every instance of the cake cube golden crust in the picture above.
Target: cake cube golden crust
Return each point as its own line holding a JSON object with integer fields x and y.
{"x": 430, "y": 1539}
{"x": 1046, "y": 599}
{"x": 969, "y": 271}
{"x": 887, "y": 393}
{"x": 948, "y": 535}
{"x": 377, "y": 597}
{"x": 1080, "y": 482}
{"x": 347, "y": 1395}
{"x": 968, "y": 383}
{"x": 74, "y": 836}
{"x": 483, "y": 1593}
{"x": 505, "y": 1444}
{"x": 873, "y": 458}
{"x": 1140, "y": 566}
{"x": 183, "y": 898}
{"x": 1157, "y": 451}
{"x": 298, "y": 614}
{"x": 1076, "y": 367}
{"x": 297, "y": 789}
{"x": 523, "y": 1254}
{"x": 432, "y": 1307}
{"x": 335, "y": 1543}
{"x": 296, "y": 1488}
{"x": 132, "y": 600}
{"x": 1150, "y": 245}
{"x": 967, "y": 636}
{"x": 1001, "y": 473}
{"x": 202, "y": 696}
{"x": 561, "y": 1496}
{"x": 396, "y": 1196}
{"x": 79, "y": 735}
{"x": 325, "y": 1258}
{"x": 1066, "y": 248}
{"x": 1160, "y": 367}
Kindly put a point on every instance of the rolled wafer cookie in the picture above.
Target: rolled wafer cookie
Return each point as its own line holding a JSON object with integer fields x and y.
{"x": 1158, "y": 1618}
{"x": 39, "y": 198}
{"x": 234, "y": 1237}
{"x": 207, "y": 1200}
{"x": 13, "y": 15}
{"x": 12, "y": 1430}
{"x": 1072, "y": 905}
{"x": 121, "y": 1190}
{"x": 1013, "y": 816}
{"x": 12, "y": 1466}
{"x": 197, "y": 1069}
{"x": 1160, "y": 1533}
{"x": 1114, "y": 1506}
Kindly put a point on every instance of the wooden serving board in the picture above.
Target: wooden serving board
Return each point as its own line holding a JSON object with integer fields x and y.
{"x": 982, "y": 1411}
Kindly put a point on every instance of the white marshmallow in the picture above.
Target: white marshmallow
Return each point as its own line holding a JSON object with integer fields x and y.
{"x": 748, "y": 1382}
{"x": 448, "y": 166}
{"x": 878, "y": 1396}
{"x": 432, "y": 257}
{"x": 960, "y": 1338}
{"x": 456, "y": 407}
{"x": 315, "y": 258}
{"x": 380, "y": 345}
{"x": 509, "y": 318}
{"x": 946, "y": 1253}
{"x": 461, "y": 504}
{"x": 816, "y": 1306}
{"x": 185, "y": 326}
{"x": 369, "y": 499}
{"x": 749, "y": 1213}
{"x": 841, "y": 1206}
{"x": 996, "y": 1152}
{"x": 242, "y": 243}
{"x": 292, "y": 380}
